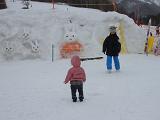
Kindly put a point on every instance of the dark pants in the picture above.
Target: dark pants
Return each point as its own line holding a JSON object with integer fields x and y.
{"x": 74, "y": 89}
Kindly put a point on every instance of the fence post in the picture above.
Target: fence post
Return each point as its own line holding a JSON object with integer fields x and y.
{"x": 52, "y": 52}
{"x": 53, "y": 3}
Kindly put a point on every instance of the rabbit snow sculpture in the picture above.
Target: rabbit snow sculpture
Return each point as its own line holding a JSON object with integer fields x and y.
{"x": 70, "y": 45}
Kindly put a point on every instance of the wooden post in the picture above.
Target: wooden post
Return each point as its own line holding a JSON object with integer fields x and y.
{"x": 53, "y": 3}
{"x": 114, "y": 5}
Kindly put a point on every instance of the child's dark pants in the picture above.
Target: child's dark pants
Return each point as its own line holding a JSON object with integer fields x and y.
{"x": 77, "y": 85}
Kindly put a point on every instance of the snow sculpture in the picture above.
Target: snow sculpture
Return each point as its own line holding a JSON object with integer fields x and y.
{"x": 70, "y": 45}
{"x": 32, "y": 47}
{"x": 35, "y": 46}
{"x": 27, "y": 4}
{"x": 30, "y": 43}
{"x": 26, "y": 36}
{"x": 8, "y": 49}
{"x": 11, "y": 50}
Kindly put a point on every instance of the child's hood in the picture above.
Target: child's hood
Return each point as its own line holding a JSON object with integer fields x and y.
{"x": 75, "y": 61}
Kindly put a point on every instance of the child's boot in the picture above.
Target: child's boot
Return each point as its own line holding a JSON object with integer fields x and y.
{"x": 81, "y": 100}
{"x": 74, "y": 99}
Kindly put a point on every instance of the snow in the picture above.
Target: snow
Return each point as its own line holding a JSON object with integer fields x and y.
{"x": 47, "y": 26}
{"x": 40, "y": 94}
{"x": 34, "y": 89}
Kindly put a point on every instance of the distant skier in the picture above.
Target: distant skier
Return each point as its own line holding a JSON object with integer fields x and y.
{"x": 76, "y": 76}
{"x": 150, "y": 43}
{"x": 112, "y": 48}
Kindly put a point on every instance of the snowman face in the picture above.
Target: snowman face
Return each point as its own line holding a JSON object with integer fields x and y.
{"x": 35, "y": 49}
{"x": 8, "y": 48}
{"x": 71, "y": 36}
{"x": 25, "y": 37}
{"x": 35, "y": 46}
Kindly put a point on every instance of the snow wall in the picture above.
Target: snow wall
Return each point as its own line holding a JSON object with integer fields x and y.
{"x": 29, "y": 34}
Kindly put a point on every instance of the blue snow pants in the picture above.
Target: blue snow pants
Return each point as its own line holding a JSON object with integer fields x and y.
{"x": 109, "y": 62}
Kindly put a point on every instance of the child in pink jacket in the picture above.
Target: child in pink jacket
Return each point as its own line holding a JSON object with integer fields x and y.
{"x": 76, "y": 76}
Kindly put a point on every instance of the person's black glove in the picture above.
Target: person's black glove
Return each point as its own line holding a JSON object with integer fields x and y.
{"x": 104, "y": 52}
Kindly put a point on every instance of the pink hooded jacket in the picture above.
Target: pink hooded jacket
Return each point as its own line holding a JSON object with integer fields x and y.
{"x": 76, "y": 72}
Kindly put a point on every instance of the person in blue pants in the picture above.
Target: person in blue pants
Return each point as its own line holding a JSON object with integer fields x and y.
{"x": 112, "y": 48}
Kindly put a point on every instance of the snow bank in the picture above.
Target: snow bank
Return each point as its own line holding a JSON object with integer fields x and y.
{"x": 47, "y": 25}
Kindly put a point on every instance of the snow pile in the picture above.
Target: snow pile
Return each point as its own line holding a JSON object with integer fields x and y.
{"x": 47, "y": 26}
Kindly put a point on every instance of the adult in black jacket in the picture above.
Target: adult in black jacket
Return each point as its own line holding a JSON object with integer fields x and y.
{"x": 112, "y": 48}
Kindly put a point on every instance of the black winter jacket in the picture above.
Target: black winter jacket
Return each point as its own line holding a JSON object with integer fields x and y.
{"x": 111, "y": 45}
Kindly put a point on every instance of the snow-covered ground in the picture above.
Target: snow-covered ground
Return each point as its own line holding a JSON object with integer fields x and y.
{"x": 34, "y": 89}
